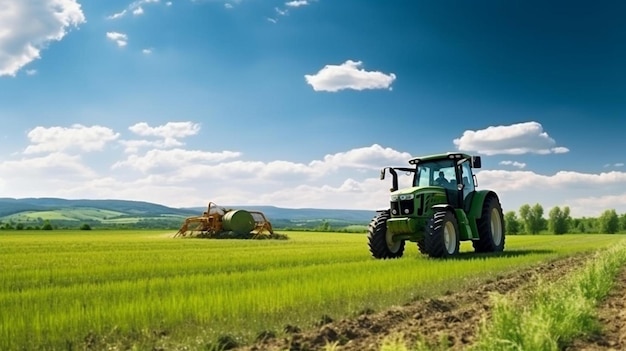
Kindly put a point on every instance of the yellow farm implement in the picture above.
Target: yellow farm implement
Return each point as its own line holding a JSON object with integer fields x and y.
{"x": 216, "y": 221}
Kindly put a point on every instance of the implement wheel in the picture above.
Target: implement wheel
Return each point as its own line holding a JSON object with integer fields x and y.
{"x": 381, "y": 246}
{"x": 442, "y": 235}
{"x": 490, "y": 227}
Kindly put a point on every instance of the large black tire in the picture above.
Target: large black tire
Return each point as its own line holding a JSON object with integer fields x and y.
{"x": 442, "y": 235}
{"x": 421, "y": 246}
{"x": 377, "y": 237}
{"x": 490, "y": 227}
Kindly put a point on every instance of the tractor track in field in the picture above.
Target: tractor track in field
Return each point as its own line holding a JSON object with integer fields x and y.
{"x": 454, "y": 317}
{"x": 612, "y": 317}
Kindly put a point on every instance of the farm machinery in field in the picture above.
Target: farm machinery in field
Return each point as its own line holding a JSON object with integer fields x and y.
{"x": 441, "y": 208}
{"x": 218, "y": 221}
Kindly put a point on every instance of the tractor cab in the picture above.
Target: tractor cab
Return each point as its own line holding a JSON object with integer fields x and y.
{"x": 442, "y": 190}
{"x": 452, "y": 172}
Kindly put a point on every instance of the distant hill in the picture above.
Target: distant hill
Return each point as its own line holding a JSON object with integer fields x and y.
{"x": 10, "y": 206}
{"x": 125, "y": 213}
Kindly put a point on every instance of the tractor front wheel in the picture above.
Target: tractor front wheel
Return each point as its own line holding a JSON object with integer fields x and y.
{"x": 442, "y": 235}
{"x": 490, "y": 227}
{"x": 381, "y": 246}
{"x": 421, "y": 246}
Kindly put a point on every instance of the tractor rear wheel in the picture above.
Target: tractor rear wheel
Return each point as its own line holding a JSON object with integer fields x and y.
{"x": 490, "y": 227}
{"x": 442, "y": 235}
{"x": 380, "y": 245}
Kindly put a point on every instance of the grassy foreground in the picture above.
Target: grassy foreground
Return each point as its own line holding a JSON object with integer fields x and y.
{"x": 554, "y": 313}
{"x": 144, "y": 290}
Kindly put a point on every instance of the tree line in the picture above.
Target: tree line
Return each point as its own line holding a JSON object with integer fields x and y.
{"x": 527, "y": 220}
{"x": 530, "y": 220}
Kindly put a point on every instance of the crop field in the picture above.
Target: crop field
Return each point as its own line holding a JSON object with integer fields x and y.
{"x": 145, "y": 290}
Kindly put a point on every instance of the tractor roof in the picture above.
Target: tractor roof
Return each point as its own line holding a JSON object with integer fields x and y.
{"x": 446, "y": 156}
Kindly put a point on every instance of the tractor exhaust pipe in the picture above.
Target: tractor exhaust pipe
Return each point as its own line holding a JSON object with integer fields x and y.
{"x": 394, "y": 174}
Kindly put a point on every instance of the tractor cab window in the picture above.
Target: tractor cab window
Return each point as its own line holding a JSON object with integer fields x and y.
{"x": 423, "y": 176}
{"x": 467, "y": 179}
{"x": 436, "y": 173}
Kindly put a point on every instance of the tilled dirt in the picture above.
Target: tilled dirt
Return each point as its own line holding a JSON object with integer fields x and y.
{"x": 454, "y": 317}
{"x": 612, "y": 317}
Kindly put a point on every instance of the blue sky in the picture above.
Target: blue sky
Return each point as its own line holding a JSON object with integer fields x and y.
{"x": 299, "y": 103}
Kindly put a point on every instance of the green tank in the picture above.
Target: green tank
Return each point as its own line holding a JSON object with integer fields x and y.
{"x": 238, "y": 221}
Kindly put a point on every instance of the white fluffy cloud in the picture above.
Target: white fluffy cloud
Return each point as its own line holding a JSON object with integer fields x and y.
{"x": 48, "y": 175}
{"x": 371, "y": 157}
{"x": 27, "y": 27}
{"x": 213, "y": 165}
{"x": 170, "y": 130}
{"x": 521, "y": 180}
{"x": 135, "y": 8}
{"x": 513, "y": 163}
{"x": 297, "y": 3}
{"x": 58, "y": 162}
{"x": 348, "y": 75}
{"x": 120, "y": 39}
{"x": 77, "y": 137}
{"x": 168, "y": 134}
{"x": 586, "y": 193}
{"x": 514, "y": 139}
{"x": 174, "y": 159}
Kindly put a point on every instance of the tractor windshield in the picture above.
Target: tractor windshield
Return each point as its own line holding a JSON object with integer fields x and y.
{"x": 436, "y": 173}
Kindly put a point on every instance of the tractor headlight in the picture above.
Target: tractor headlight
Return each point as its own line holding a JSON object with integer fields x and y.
{"x": 394, "y": 198}
{"x": 407, "y": 197}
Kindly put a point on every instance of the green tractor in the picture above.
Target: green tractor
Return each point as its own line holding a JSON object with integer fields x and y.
{"x": 440, "y": 209}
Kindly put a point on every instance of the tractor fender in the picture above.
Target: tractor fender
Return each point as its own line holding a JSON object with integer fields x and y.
{"x": 476, "y": 207}
{"x": 441, "y": 207}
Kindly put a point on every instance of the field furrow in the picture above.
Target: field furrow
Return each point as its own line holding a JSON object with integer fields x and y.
{"x": 452, "y": 319}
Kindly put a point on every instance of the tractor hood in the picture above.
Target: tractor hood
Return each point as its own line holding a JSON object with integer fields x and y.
{"x": 405, "y": 194}
{"x": 415, "y": 201}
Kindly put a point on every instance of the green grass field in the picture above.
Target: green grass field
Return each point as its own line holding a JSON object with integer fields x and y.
{"x": 122, "y": 289}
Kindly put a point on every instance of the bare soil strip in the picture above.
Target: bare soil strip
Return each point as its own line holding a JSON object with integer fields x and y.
{"x": 454, "y": 317}
{"x": 612, "y": 317}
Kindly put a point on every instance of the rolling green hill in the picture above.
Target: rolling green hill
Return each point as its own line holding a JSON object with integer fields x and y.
{"x": 33, "y": 212}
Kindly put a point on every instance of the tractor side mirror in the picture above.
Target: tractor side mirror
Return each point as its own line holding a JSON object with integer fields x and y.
{"x": 475, "y": 162}
{"x": 382, "y": 174}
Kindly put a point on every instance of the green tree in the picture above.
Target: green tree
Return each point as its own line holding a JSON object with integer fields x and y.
{"x": 581, "y": 227}
{"x": 532, "y": 217}
{"x": 324, "y": 227}
{"x": 19, "y": 226}
{"x": 46, "y": 225}
{"x": 609, "y": 222}
{"x": 85, "y": 226}
{"x": 591, "y": 224}
{"x": 622, "y": 222}
{"x": 559, "y": 220}
{"x": 511, "y": 223}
